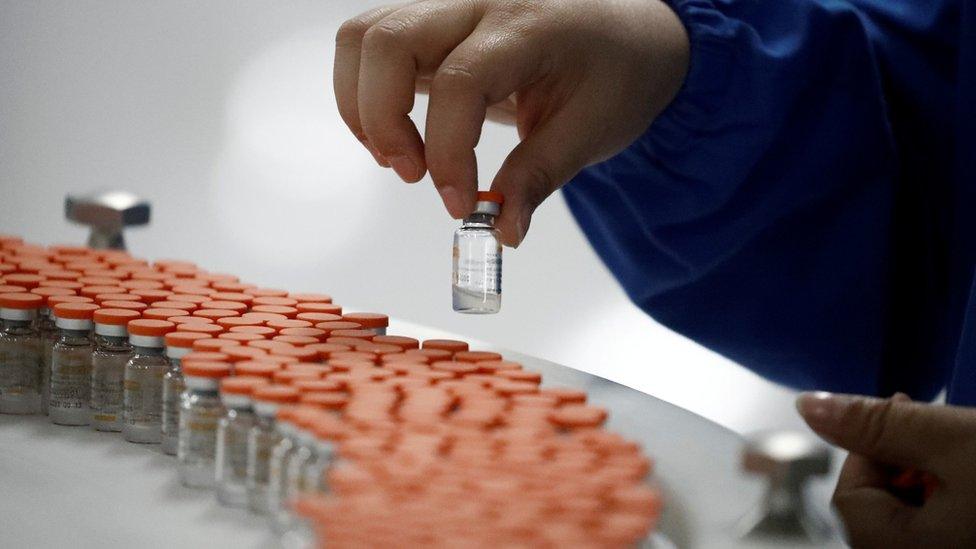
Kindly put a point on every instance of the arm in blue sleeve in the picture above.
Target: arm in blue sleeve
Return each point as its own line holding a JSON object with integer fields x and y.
{"x": 782, "y": 210}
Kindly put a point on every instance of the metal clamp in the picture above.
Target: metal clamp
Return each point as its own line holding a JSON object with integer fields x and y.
{"x": 788, "y": 460}
{"x": 108, "y": 213}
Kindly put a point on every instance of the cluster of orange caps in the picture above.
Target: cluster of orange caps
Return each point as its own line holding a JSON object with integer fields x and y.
{"x": 438, "y": 445}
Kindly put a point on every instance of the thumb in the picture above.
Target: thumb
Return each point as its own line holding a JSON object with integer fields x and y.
{"x": 894, "y": 432}
{"x": 548, "y": 157}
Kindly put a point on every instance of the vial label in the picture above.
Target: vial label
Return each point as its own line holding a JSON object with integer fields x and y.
{"x": 106, "y": 389}
{"x": 235, "y": 444}
{"x": 172, "y": 390}
{"x": 198, "y": 434}
{"x": 71, "y": 379}
{"x": 20, "y": 370}
{"x": 143, "y": 398}
{"x": 477, "y": 272}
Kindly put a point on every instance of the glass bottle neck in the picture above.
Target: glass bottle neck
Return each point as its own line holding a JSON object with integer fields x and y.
{"x": 479, "y": 220}
{"x": 152, "y": 351}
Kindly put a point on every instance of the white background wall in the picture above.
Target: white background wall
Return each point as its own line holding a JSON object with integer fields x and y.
{"x": 221, "y": 113}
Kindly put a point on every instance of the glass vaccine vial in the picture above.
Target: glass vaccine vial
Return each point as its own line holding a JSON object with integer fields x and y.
{"x": 71, "y": 364}
{"x": 262, "y": 438}
{"x": 287, "y": 428}
{"x": 232, "y": 432}
{"x": 477, "y": 273}
{"x": 178, "y": 345}
{"x": 47, "y": 333}
{"x": 112, "y": 352}
{"x": 20, "y": 354}
{"x": 200, "y": 412}
{"x": 142, "y": 388}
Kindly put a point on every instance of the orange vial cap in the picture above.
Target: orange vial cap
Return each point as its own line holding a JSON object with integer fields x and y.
{"x": 152, "y": 328}
{"x": 450, "y": 345}
{"x": 241, "y": 385}
{"x": 29, "y": 281}
{"x": 368, "y": 320}
{"x": 403, "y": 342}
{"x": 163, "y": 314}
{"x": 255, "y": 368}
{"x": 214, "y": 314}
{"x": 75, "y": 311}
{"x": 277, "y": 393}
{"x": 55, "y": 299}
{"x": 329, "y": 308}
{"x": 311, "y": 298}
{"x": 184, "y": 340}
{"x": 199, "y": 327}
{"x": 476, "y": 356}
{"x": 131, "y": 305}
{"x": 21, "y": 301}
{"x": 279, "y": 301}
{"x": 491, "y": 196}
{"x": 115, "y": 317}
{"x": 289, "y": 312}
{"x": 212, "y": 370}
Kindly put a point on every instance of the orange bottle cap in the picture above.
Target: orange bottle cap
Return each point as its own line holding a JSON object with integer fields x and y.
{"x": 564, "y": 395}
{"x": 269, "y": 345}
{"x": 210, "y": 329}
{"x": 268, "y": 292}
{"x": 50, "y": 274}
{"x": 264, "y": 317}
{"x": 212, "y": 370}
{"x": 301, "y": 353}
{"x": 403, "y": 342}
{"x": 237, "y": 306}
{"x": 578, "y": 415}
{"x": 214, "y": 314}
{"x": 240, "y": 353}
{"x": 329, "y": 308}
{"x": 213, "y": 344}
{"x": 115, "y": 317}
{"x": 476, "y": 356}
{"x": 326, "y": 401}
{"x": 277, "y": 301}
{"x": 5, "y": 289}
{"x": 101, "y": 298}
{"x": 277, "y": 393}
{"x": 205, "y": 356}
{"x": 289, "y": 312}
{"x": 29, "y": 281}
{"x": 55, "y": 299}
{"x": 520, "y": 375}
{"x": 227, "y": 286}
{"x": 241, "y": 338}
{"x": 241, "y": 385}
{"x": 131, "y": 305}
{"x": 70, "y": 284}
{"x": 450, "y": 345}
{"x": 178, "y": 305}
{"x": 163, "y": 314}
{"x": 318, "y": 317}
{"x": 431, "y": 354}
{"x": 311, "y": 298}
{"x": 298, "y": 341}
{"x": 357, "y": 356}
{"x": 329, "y": 326}
{"x": 92, "y": 291}
{"x": 190, "y": 289}
{"x": 75, "y": 311}
{"x": 149, "y": 296}
{"x": 151, "y": 328}
{"x": 288, "y": 323}
{"x": 51, "y": 292}
{"x": 368, "y": 320}
{"x": 403, "y": 357}
{"x": 184, "y": 340}
{"x": 456, "y": 368}
{"x": 196, "y": 299}
{"x": 21, "y": 301}
{"x": 325, "y": 350}
{"x": 237, "y": 297}
{"x": 98, "y": 281}
{"x": 491, "y": 196}
{"x": 314, "y": 333}
{"x": 257, "y": 330}
{"x": 255, "y": 368}
{"x": 142, "y": 284}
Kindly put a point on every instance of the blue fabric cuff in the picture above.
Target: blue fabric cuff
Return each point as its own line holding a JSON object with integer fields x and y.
{"x": 706, "y": 86}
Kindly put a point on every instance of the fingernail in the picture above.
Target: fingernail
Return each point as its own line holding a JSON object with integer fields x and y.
{"x": 901, "y": 397}
{"x": 452, "y": 200}
{"x": 820, "y": 407}
{"x": 405, "y": 167}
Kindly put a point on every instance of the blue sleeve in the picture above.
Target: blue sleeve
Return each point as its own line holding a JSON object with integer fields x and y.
{"x": 781, "y": 210}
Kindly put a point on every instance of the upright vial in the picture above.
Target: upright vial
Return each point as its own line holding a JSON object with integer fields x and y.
{"x": 232, "y": 431}
{"x": 200, "y": 412}
{"x": 262, "y": 438}
{"x": 294, "y": 445}
{"x": 477, "y": 280}
{"x": 178, "y": 345}
{"x": 48, "y": 333}
{"x": 112, "y": 352}
{"x": 142, "y": 409}
{"x": 374, "y": 322}
{"x": 20, "y": 354}
{"x": 71, "y": 364}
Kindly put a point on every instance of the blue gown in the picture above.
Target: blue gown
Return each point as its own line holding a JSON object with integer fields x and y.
{"x": 806, "y": 205}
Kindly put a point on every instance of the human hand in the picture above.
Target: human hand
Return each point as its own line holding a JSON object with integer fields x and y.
{"x": 890, "y": 442}
{"x": 581, "y": 80}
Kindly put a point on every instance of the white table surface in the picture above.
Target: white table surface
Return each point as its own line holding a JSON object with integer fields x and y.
{"x": 73, "y": 487}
